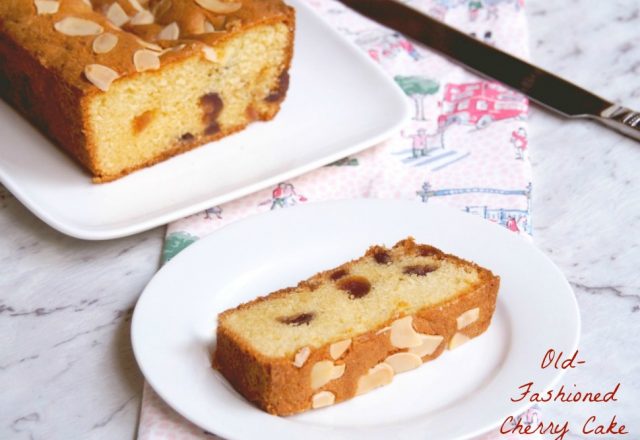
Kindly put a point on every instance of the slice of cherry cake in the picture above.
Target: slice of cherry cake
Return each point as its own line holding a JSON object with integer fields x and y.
{"x": 348, "y": 330}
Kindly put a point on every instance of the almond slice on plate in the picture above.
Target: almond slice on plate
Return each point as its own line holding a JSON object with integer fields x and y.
{"x": 77, "y": 27}
{"x": 403, "y": 361}
{"x": 142, "y": 17}
{"x": 337, "y": 349}
{"x": 148, "y": 45}
{"x": 403, "y": 335}
{"x": 208, "y": 27}
{"x": 301, "y": 357}
{"x": 429, "y": 344}
{"x": 135, "y": 4}
{"x": 322, "y": 399}
{"x": 381, "y": 374}
{"x": 219, "y": 7}
{"x": 105, "y": 42}
{"x": 100, "y": 76}
{"x": 117, "y": 15}
{"x": 145, "y": 60}
{"x": 160, "y": 8}
{"x": 323, "y": 372}
{"x": 170, "y": 32}
{"x": 468, "y": 318}
{"x": 210, "y": 54}
{"x": 177, "y": 48}
{"x": 457, "y": 340}
{"x": 47, "y": 6}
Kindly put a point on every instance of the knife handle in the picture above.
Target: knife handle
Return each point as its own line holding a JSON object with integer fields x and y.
{"x": 622, "y": 119}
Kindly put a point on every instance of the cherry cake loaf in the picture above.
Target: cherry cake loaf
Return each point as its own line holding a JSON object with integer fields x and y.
{"x": 348, "y": 330}
{"x": 123, "y": 84}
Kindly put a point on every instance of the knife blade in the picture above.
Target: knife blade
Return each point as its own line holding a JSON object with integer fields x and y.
{"x": 541, "y": 86}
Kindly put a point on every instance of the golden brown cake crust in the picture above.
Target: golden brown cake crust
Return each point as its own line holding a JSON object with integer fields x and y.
{"x": 42, "y": 70}
{"x": 279, "y": 387}
{"x": 50, "y": 103}
{"x": 67, "y": 56}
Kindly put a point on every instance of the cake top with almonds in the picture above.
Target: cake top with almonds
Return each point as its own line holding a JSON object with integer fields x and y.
{"x": 91, "y": 43}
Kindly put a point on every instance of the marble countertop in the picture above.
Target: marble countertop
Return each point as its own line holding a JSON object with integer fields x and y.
{"x": 66, "y": 366}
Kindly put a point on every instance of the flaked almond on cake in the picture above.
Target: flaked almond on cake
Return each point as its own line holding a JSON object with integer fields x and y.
{"x": 123, "y": 84}
{"x": 349, "y": 330}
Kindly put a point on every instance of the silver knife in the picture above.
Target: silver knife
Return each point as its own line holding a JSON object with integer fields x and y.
{"x": 541, "y": 86}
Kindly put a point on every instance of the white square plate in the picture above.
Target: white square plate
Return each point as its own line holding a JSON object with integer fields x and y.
{"x": 339, "y": 103}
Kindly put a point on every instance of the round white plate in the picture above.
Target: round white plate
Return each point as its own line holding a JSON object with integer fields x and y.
{"x": 463, "y": 393}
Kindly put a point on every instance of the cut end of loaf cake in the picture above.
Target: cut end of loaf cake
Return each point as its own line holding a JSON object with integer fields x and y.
{"x": 352, "y": 299}
{"x": 123, "y": 84}
{"x": 154, "y": 115}
{"x": 349, "y": 330}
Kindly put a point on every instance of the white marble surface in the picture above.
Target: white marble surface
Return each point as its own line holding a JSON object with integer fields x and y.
{"x": 66, "y": 366}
